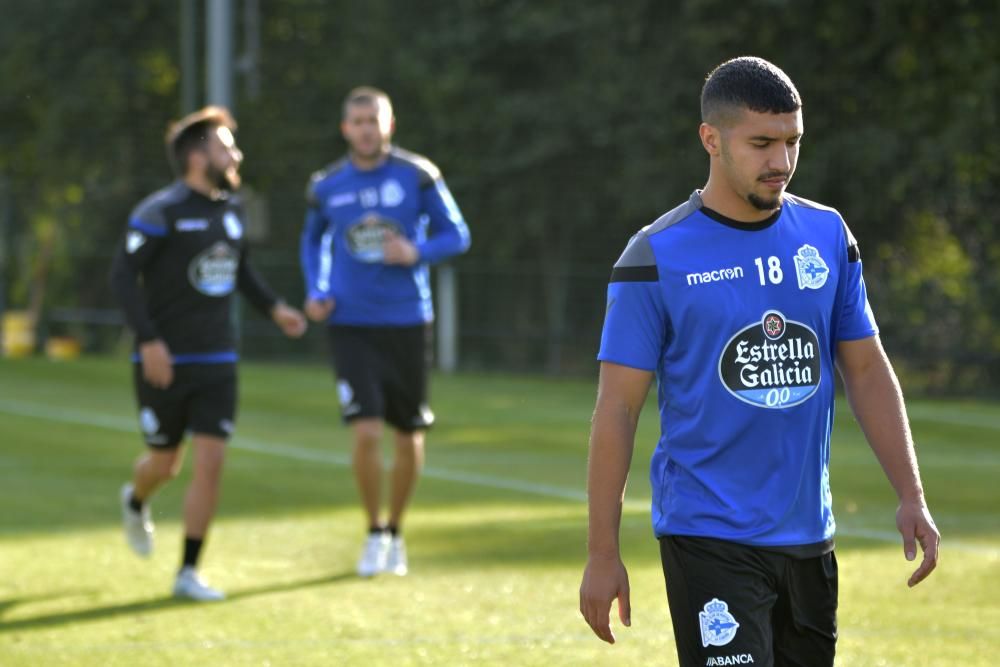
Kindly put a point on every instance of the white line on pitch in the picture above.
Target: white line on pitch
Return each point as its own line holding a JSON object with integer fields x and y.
{"x": 288, "y": 451}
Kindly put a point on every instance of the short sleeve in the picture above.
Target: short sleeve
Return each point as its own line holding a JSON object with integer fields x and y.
{"x": 635, "y": 323}
{"x": 855, "y": 319}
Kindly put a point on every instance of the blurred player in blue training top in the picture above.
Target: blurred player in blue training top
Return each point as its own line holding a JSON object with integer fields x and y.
{"x": 376, "y": 220}
{"x": 743, "y": 302}
{"x": 180, "y": 261}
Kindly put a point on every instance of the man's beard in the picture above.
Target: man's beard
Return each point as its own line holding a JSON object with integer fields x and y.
{"x": 222, "y": 180}
{"x": 762, "y": 204}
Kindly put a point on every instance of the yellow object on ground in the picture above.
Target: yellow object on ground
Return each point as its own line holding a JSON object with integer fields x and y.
{"x": 62, "y": 348}
{"x": 18, "y": 334}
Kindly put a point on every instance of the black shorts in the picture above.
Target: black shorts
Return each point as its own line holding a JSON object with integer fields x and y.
{"x": 201, "y": 399}
{"x": 383, "y": 372}
{"x": 731, "y": 604}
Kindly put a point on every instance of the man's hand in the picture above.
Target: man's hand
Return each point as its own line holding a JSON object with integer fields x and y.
{"x": 157, "y": 364}
{"x": 916, "y": 525}
{"x": 291, "y": 322}
{"x": 604, "y": 579}
{"x": 318, "y": 310}
{"x": 399, "y": 250}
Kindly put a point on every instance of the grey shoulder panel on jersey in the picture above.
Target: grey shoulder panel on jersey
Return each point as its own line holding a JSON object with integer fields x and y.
{"x": 150, "y": 211}
{"x": 428, "y": 170}
{"x": 676, "y": 214}
{"x": 853, "y": 251}
{"x": 321, "y": 174}
{"x": 808, "y": 203}
{"x": 638, "y": 262}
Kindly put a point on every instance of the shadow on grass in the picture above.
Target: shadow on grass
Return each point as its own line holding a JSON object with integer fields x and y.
{"x": 144, "y": 606}
{"x": 7, "y": 605}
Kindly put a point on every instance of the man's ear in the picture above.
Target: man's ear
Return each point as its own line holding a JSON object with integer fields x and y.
{"x": 711, "y": 139}
{"x": 196, "y": 161}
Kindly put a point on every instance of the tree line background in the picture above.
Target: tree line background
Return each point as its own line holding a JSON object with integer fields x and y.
{"x": 561, "y": 128}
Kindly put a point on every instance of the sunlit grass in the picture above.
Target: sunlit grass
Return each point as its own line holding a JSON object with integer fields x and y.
{"x": 495, "y": 571}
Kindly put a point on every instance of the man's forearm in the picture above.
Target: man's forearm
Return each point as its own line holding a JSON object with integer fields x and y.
{"x": 877, "y": 402}
{"x": 611, "y": 444}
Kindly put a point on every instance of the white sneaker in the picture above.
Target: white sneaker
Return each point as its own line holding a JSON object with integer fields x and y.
{"x": 138, "y": 525}
{"x": 395, "y": 561}
{"x": 189, "y": 585}
{"x": 373, "y": 557}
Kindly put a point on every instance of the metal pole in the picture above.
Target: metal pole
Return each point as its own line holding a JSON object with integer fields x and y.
{"x": 219, "y": 51}
{"x": 447, "y": 319}
{"x": 189, "y": 57}
{"x": 4, "y": 223}
{"x": 219, "y": 89}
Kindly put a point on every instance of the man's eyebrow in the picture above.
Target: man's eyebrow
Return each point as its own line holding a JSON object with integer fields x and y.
{"x": 762, "y": 137}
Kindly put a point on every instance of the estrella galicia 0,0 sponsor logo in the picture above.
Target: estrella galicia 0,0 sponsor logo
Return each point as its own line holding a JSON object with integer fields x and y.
{"x": 364, "y": 239}
{"x": 773, "y": 363}
{"x": 213, "y": 272}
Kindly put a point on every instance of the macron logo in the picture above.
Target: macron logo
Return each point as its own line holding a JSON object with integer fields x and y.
{"x": 733, "y": 273}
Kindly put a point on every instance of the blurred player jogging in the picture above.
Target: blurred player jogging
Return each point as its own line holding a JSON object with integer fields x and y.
{"x": 182, "y": 258}
{"x": 376, "y": 219}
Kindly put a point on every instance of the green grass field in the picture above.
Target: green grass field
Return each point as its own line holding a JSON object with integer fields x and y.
{"x": 496, "y": 534}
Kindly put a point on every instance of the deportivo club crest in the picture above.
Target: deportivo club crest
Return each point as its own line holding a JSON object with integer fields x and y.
{"x": 718, "y": 627}
{"x": 234, "y": 228}
{"x": 810, "y": 268}
{"x": 148, "y": 421}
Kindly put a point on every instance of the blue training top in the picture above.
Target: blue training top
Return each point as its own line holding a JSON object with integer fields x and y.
{"x": 740, "y": 322}
{"x": 350, "y": 211}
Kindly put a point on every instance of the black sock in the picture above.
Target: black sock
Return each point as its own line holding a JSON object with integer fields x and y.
{"x": 192, "y": 549}
{"x": 376, "y": 530}
{"x": 393, "y": 530}
{"x": 134, "y": 503}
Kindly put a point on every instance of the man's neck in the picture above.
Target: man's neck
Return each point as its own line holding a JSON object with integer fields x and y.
{"x": 202, "y": 186}
{"x": 367, "y": 163}
{"x": 726, "y": 202}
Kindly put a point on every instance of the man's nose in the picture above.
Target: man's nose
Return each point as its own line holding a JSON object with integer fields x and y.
{"x": 781, "y": 160}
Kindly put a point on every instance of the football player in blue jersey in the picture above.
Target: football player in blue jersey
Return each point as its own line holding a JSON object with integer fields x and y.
{"x": 376, "y": 220}
{"x": 743, "y": 302}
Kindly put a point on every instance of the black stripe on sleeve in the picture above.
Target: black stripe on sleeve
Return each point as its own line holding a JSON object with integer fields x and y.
{"x": 635, "y": 274}
{"x": 853, "y": 253}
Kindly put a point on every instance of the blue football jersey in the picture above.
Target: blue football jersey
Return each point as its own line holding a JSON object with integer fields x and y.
{"x": 740, "y": 323}
{"x": 350, "y": 211}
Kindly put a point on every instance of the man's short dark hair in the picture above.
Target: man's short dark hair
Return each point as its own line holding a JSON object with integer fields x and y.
{"x": 747, "y": 83}
{"x": 190, "y": 133}
{"x": 365, "y": 95}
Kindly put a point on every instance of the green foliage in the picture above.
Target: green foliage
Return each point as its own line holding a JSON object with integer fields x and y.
{"x": 561, "y": 128}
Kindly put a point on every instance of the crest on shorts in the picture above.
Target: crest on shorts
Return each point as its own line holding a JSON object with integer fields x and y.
{"x": 718, "y": 627}
{"x": 345, "y": 392}
{"x": 810, "y": 268}
{"x": 148, "y": 421}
